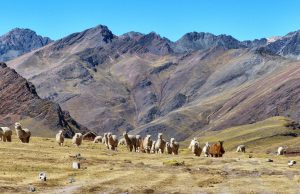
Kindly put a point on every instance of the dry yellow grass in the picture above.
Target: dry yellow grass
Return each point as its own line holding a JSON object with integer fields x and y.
{"x": 116, "y": 172}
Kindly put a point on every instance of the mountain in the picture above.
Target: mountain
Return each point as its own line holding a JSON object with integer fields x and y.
{"x": 288, "y": 45}
{"x": 145, "y": 83}
{"x": 19, "y": 41}
{"x": 20, "y": 102}
{"x": 196, "y": 41}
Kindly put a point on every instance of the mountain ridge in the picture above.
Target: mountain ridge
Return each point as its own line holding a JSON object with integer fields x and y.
{"x": 145, "y": 83}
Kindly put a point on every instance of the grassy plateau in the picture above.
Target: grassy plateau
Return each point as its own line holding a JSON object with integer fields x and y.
{"x": 105, "y": 171}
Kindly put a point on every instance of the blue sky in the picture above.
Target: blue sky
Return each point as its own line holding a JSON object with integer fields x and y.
{"x": 243, "y": 19}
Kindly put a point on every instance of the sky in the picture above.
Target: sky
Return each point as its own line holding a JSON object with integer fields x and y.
{"x": 243, "y": 19}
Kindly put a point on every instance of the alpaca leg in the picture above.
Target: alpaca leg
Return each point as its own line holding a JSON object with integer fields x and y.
{"x": 4, "y": 138}
{"x": 8, "y": 138}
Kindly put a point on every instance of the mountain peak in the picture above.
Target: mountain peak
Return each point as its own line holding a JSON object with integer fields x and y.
{"x": 202, "y": 40}
{"x": 19, "y": 41}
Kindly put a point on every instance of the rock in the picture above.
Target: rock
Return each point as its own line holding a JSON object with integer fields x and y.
{"x": 291, "y": 163}
{"x": 43, "y": 176}
{"x": 269, "y": 160}
{"x": 31, "y": 188}
{"x": 71, "y": 180}
{"x": 76, "y": 165}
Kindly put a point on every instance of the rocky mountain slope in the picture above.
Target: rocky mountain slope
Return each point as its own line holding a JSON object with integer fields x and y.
{"x": 19, "y": 41}
{"x": 20, "y": 102}
{"x": 145, "y": 83}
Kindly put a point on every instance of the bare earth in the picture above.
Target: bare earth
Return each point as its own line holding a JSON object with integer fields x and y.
{"x": 105, "y": 171}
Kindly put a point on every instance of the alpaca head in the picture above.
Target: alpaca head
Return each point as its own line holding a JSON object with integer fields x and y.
{"x": 207, "y": 144}
{"x": 172, "y": 140}
{"x": 18, "y": 126}
{"x": 125, "y": 134}
{"x": 221, "y": 142}
{"x": 159, "y": 136}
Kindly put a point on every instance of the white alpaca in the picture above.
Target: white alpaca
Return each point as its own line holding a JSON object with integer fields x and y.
{"x": 205, "y": 149}
{"x": 23, "y": 134}
{"x": 60, "y": 138}
{"x": 241, "y": 148}
{"x": 174, "y": 146}
{"x": 195, "y": 147}
{"x": 98, "y": 139}
{"x": 280, "y": 151}
{"x": 77, "y": 139}
{"x": 112, "y": 141}
{"x": 147, "y": 144}
{"x": 5, "y": 134}
{"x": 160, "y": 144}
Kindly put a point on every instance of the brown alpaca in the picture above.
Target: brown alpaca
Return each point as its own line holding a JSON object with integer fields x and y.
{"x": 131, "y": 141}
{"x": 217, "y": 150}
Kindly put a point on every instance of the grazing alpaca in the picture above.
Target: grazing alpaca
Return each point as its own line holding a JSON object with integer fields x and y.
{"x": 160, "y": 144}
{"x": 60, "y": 138}
{"x": 77, "y": 139}
{"x": 98, "y": 139}
{"x": 122, "y": 141}
{"x": 112, "y": 141}
{"x": 5, "y": 134}
{"x": 130, "y": 141}
{"x": 23, "y": 134}
{"x": 174, "y": 146}
{"x": 281, "y": 151}
{"x": 217, "y": 150}
{"x": 195, "y": 147}
{"x": 205, "y": 149}
{"x": 241, "y": 148}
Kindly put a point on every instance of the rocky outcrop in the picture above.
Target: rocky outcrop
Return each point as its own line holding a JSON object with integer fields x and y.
{"x": 19, "y": 101}
{"x": 19, "y": 41}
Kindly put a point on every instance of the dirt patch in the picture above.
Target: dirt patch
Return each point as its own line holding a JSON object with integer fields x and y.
{"x": 210, "y": 182}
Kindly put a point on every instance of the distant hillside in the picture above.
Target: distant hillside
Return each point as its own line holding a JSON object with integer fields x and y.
{"x": 20, "y": 102}
{"x": 263, "y": 136}
{"x": 19, "y": 41}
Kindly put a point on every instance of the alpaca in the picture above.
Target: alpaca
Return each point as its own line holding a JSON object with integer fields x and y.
{"x": 195, "y": 147}
{"x": 139, "y": 142}
{"x": 130, "y": 141}
{"x": 23, "y": 134}
{"x": 60, "y": 138}
{"x": 205, "y": 149}
{"x": 5, "y": 134}
{"x": 112, "y": 141}
{"x": 174, "y": 145}
{"x": 152, "y": 150}
{"x": 77, "y": 139}
{"x": 122, "y": 141}
{"x": 147, "y": 144}
{"x": 241, "y": 148}
{"x": 98, "y": 139}
{"x": 217, "y": 150}
{"x": 160, "y": 144}
{"x": 168, "y": 148}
